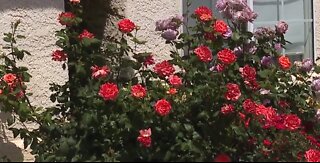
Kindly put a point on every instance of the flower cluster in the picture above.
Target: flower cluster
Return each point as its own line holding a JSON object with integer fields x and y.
{"x": 236, "y": 10}
{"x": 263, "y": 33}
{"x": 145, "y": 137}
{"x": 169, "y": 27}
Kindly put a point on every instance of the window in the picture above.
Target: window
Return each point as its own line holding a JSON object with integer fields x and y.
{"x": 297, "y": 13}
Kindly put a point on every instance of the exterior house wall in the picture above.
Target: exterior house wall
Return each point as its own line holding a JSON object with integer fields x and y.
{"x": 38, "y": 23}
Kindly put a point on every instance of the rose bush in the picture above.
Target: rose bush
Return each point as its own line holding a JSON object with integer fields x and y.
{"x": 231, "y": 97}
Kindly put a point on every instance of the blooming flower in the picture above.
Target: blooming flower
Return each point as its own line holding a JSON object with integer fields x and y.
{"x": 249, "y": 106}
{"x": 162, "y": 107}
{"x": 315, "y": 85}
{"x": 266, "y": 60}
{"x": 164, "y": 69}
{"x": 307, "y": 65}
{"x": 145, "y": 137}
{"x": 220, "y": 27}
{"x": 99, "y": 72}
{"x": 86, "y": 34}
{"x": 277, "y": 46}
{"x": 267, "y": 143}
{"x": 228, "y": 34}
{"x": 126, "y": 25}
{"x": 204, "y": 53}
{"x": 138, "y": 91}
{"x": 203, "y": 13}
{"x": 281, "y": 27}
{"x": 172, "y": 23}
{"x": 248, "y": 73}
{"x": 172, "y": 91}
{"x": 312, "y": 155}
{"x": 227, "y": 109}
{"x": 66, "y": 18}
{"x": 284, "y": 62}
{"x": 226, "y": 56}
{"x": 10, "y": 79}
{"x": 292, "y": 122}
{"x": 236, "y": 10}
{"x": 222, "y": 158}
{"x": 233, "y": 92}
{"x": 175, "y": 80}
{"x": 169, "y": 34}
{"x": 59, "y": 55}
{"x": 262, "y": 33}
{"x": 109, "y": 91}
{"x": 148, "y": 60}
{"x": 75, "y": 1}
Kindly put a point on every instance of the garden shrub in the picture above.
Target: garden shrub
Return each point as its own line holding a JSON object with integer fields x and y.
{"x": 231, "y": 96}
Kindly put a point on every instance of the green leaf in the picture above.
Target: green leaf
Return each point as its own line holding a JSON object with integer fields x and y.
{"x": 235, "y": 36}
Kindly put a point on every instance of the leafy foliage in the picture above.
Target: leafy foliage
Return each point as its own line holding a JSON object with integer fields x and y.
{"x": 185, "y": 118}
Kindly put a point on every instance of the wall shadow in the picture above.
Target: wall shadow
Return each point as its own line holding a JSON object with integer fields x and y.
{"x": 101, "y": 15}
{"x": 8, "y": 150}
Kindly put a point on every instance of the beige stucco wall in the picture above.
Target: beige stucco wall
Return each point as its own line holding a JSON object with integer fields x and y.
{"x": 317, "y": 26}
{"x": 145, "y": 14}
{"x": 38, "y": 23}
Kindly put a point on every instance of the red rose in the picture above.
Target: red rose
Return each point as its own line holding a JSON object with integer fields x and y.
{"x": 233, "y": 92}
{"x": 75, "y": 1}
{"x": 109, "y": 91}
{"x": 203, "y": 53}
{"x": 267, "y": 143}
{"x": 292, "y": 122}
{"x": 138, "y": 91}
{"x": 203, "y": 13}
{"x": 226, "y": 56}
{"x": 148, "y": 61}
{"x": 227, "y": 109}
{"x": 145, "y": 137}
{"x": 164, "y": 69}
{"x": 175, "y": 80}
{"x": 163, "y": 107}
{"x": 66, "y": 18}
{"x": 312, "y": 155}
{"x": 10, "y": 78}
{"x": 284, "y": 62}
{"x": 172, "y": 91}
{"x": 86, "y": 34}
{"x": 268, "y": 113}
{"x": 220, "y": 27}
{"x": 99, "y": 72}
{"x": 222, "y": 158}
{"x": 1, "y": 91}
{"x": 248, "y": 73}
{"x": 249, "y": 106}
{"x": 126, "y": 26}
{"x": 59, "y": 55}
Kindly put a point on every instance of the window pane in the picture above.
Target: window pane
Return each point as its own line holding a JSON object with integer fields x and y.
{"x": 293, "y": 9}
{"x": 267, "y": 10}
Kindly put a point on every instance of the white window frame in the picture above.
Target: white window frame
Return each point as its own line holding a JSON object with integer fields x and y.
{"x": 251, "y": 27}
